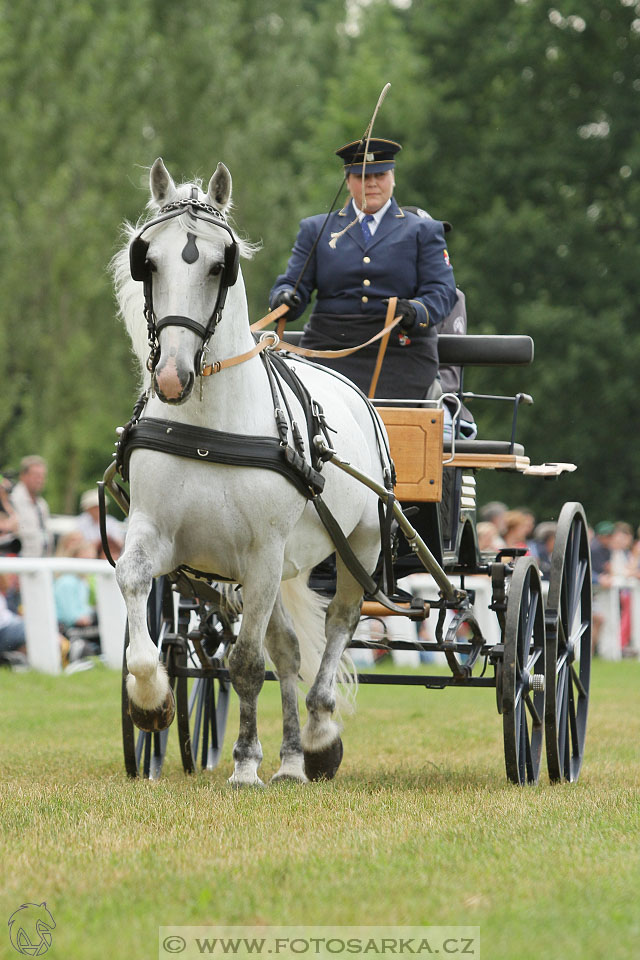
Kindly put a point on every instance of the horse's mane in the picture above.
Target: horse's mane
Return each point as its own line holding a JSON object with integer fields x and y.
{"x": 129, "y": 292}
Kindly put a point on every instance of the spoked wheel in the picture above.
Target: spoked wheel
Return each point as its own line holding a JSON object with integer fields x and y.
{"x": 202, "y": 704}
{"x": 522, "y": 674}
{"x": 144, "y": 753}
{"x": 569, "y": 624}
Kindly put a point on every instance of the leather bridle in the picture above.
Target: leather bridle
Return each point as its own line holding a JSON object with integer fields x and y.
{"x": 142, "y": 270}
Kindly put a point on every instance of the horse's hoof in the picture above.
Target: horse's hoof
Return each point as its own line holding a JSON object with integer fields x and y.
{"x": 324, "y": 764}
{"x": 152, "y": 721}
{"x": 288, "y": 778}
{"x": 243, "y": 784}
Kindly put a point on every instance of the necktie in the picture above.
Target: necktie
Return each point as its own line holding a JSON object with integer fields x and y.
{"x": 366, "y": 232}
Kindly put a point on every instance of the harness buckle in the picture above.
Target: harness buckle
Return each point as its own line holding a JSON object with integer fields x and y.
{"x": 270, "y": 334}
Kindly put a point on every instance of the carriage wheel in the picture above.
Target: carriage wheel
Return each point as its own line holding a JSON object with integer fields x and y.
{"x": 569, "y": 625}
{"x": 144, "y": 753}
{"x": 202, "y": 706}
{"x": 523, "y": 674}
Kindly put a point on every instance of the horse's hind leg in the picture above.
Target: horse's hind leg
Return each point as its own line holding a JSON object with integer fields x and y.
{"x": 151, "y": 702}
{"x": 282, "y": 644}
{"x": 321, "y": 735}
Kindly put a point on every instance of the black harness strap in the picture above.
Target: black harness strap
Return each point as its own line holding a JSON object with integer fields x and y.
{"x": 313, "y": 413}
{"x": 103, "y": 524}
{"x": 216, "y": 446}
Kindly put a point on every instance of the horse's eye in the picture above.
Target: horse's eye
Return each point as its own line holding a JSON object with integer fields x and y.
{"x": 215, "y": 269}
{"x": 152, "y": 266}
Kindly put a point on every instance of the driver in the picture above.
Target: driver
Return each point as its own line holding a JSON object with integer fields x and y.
{"x": 369, "y": 251}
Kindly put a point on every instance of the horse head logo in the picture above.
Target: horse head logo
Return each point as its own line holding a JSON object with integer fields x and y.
{"x": 30, "y": 929}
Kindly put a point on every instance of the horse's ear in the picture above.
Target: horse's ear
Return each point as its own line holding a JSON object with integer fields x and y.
{"x": 163, "y": 188}
{"x": 219, "y": 192}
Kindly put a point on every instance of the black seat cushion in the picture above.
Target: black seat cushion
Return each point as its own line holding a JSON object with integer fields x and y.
{"x": 499, "y": 447}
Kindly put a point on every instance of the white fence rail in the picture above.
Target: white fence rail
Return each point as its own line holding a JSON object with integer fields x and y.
{"x": 41, "y": 626}
{"x": 39, "y": 609}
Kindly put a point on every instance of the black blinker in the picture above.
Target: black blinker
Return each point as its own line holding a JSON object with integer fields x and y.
{"x": 138, "y": 259}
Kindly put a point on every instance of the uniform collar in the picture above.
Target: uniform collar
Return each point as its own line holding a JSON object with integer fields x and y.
{"x": 377, "y": 216}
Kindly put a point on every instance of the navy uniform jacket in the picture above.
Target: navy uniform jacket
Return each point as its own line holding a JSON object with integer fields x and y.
{"x": 406, "y": 258}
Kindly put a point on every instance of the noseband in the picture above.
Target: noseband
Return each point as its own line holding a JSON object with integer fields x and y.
{"x": 141, "y": 270}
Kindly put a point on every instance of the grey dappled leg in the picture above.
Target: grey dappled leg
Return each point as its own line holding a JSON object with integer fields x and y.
{"x": 284, "y": 650}
{"x": 151, "y": 702}
{"x": 246, "y": 669}
{"x": 321, "y": 734}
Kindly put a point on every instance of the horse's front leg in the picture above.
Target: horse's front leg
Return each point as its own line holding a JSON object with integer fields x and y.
{"x": 246, "y": 667}
{"x": 284, "y": 650}
{"x": 151, "y": 701}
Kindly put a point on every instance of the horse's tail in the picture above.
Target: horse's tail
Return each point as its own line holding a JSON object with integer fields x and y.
{"x": 307, "y": 611}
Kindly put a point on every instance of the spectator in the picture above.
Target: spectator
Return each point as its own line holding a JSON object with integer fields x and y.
{"x": 600, "y": 574}
{"x": 9, "y": 540}
{"x": 517, "y": 526}
{"x": 601, "y": 554}
{"x": 530, "y": 520}
{"x": 32, "y": 509}
{"x": 13, "y": 648}
{"x": 72, "y": 592}
{"x": 620, "y": 547}
{"x": 489, "y": 540}
{"x": 620, "y": 566}
{"x": 89, "y": 525}
{"x": 494, "y": 512}
{"x": 541, "y": 547}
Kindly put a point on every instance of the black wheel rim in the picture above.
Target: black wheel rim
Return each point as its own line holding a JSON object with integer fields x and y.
{"x": 523, "y": 670}
{"x": 569, "y": 627}
{"x": 144, "y": 753}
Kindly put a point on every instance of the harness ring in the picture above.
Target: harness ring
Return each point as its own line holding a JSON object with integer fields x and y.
{"x": 274, "y": 337}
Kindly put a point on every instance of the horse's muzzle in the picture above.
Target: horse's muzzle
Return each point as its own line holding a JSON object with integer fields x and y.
{"x": 170, "y": 385}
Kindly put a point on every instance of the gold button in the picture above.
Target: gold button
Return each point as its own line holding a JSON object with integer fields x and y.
{"x": 365, "y": 299}
{"x": 366, "y": 259}
{"x": 367, "y": 283}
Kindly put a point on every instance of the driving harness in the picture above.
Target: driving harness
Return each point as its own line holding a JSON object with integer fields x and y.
{"x": 216, "y": 446}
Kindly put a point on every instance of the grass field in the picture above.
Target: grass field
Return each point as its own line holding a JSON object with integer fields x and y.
{"x": 419, "y": 828}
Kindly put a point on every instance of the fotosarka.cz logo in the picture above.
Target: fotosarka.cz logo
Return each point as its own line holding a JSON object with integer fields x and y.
{"x": 30, "y": 929}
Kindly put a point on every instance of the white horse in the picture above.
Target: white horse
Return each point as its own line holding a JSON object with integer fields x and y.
{"x": 248, "y": 525}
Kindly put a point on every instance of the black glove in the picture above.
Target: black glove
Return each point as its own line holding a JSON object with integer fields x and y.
{"x": 408, "y": 313}
{"x": 288, "y": 297}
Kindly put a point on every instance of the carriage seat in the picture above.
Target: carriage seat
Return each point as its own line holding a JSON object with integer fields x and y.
{"x": 484, "y": 447}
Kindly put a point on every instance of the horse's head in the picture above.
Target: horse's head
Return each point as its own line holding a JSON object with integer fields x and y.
{"x": 187, "y": 258}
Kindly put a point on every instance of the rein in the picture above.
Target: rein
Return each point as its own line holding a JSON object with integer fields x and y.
{"x": 271, "y": 340}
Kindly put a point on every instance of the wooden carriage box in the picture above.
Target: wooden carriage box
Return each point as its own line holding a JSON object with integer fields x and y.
{"x": 415, "y": 438}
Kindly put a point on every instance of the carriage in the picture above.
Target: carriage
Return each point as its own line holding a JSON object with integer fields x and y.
{"x": 540, "y": 667}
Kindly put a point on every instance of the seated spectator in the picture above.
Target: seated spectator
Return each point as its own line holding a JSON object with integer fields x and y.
{"x": 517, "y": 526}
{"x": 32, "y": 509}
{"x": 72, "y": 592}
{"x": 493, "y": 512}
{"x": 9, "y": 539}
{"x": 13, "y": 647}
{"x": 601, "y": 554}
{"x": 530, "y": 521}
{"x": 600, "y": 574}
{"x": 89, "y": 525}
{"x": 489, "y": 540}
{"x": 541, "y": 547}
